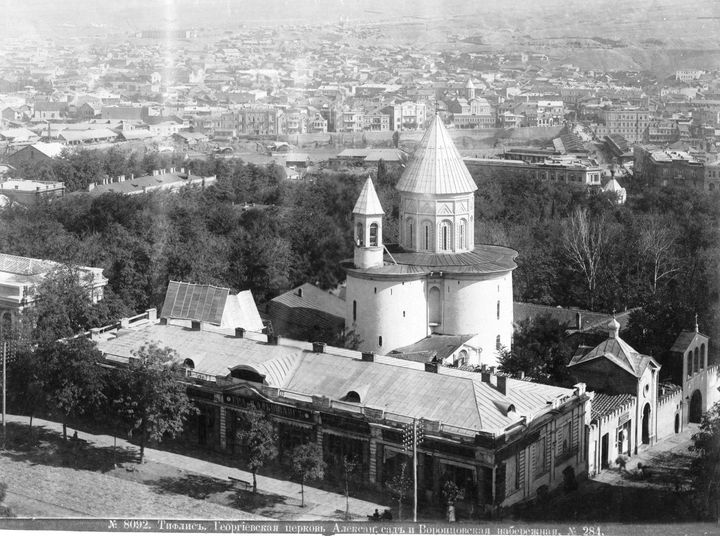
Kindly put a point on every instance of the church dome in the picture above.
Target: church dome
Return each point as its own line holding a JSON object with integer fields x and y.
{"x": 436, "y": 167}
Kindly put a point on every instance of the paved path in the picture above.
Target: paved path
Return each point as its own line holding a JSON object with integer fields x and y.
{"x": 320, "y": 504}
{"x": 651, "y": 457}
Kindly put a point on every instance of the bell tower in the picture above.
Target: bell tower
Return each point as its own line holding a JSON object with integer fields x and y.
{"x": 368, "y": 219}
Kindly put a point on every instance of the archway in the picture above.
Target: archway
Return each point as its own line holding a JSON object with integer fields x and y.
{"x": 696, "y": 406}
{"x": 677, "y": 424}
{"x": 646, "y": 425}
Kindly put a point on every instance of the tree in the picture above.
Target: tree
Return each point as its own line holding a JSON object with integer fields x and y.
{"x": 396, "y": 139}
{"x": 399, "y": 485}
{"x": 586, "y": 242}
{"x": 657, "y": 239}
{"x": 308, "y": 464}
{"x": 64, "y": 306}
{"x": 349, "y": 466}
{"x": 151, "y": 399}
{"x": 26, "y": 380}
{"x": 539, "y": 350}
{"x": 705, "y": 468}
{"x": 259, "y": 440}
{"x": 72, "y": 380}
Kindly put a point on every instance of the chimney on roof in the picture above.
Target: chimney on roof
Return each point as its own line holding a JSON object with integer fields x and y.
{"x": 196, "y": 325}
{"x": 578, "y": 320}
{"x": 272, "y": 339}
{"x": 299, "y": 292}
{"x": 485, "y": 377}
{"x": 431, "y": 367}
{"x": 163, "y": 321}
{"x": 239, "y": 333}
{"x": 579, "y": 389}
{"x": 368, "y": 356}
{"x": 318, "y": 347}
{"x": 502, "y": 384}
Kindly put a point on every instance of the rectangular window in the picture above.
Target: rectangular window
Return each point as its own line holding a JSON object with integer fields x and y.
{"x": 540, "y": 458}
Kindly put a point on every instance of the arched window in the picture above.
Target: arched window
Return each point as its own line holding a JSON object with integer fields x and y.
{"x": 189, "y": 363}
{"x": 702, "y": 356}
{"x": 359, "y": 239}
{"x": 697, "y": 360}
{"x": 427, "y": 236}
{"x": 689, "y": 364}
{"x": 462, "y": 236}
{"x": 445, "y": 236}
{"x": 498, "y": 344}
{"x": 373, "y": 234}
{"x": 380, "y": 340}
{"x": 498, "y": 310}
{"x": 410, "y": 234}
{"x": 354, "y": 310}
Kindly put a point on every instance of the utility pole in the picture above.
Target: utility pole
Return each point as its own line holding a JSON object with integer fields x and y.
{"x": 414, "y": 435}
{"x": 414, "y": 459}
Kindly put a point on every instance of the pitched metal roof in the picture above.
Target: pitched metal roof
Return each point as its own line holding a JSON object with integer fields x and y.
{"x": 436, "y": 167}
{"x": 685, "y": 340}
{"x": 204, "y": 303}
{"x": 368, "y": 202}
{"x": 439, "y": 346}
{"x": 618, "y": 352}
{"x": 453, "y": 397}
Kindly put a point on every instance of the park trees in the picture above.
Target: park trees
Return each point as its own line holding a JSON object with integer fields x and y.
{"x": 540, "y": 350}
{"x": 586, "y": 241}
{"x": 70, "y": 377}
{"x": 259, "y": 440}
{"x": 150, "y": 400}
{"x": 705, "y": 468}
{"x": 308, "y": 465}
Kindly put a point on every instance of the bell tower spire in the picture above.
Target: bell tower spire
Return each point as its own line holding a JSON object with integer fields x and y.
{"x": 368, "y": 219}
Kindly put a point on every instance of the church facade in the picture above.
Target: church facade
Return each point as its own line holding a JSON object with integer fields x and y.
{"x": 436, "y": 280}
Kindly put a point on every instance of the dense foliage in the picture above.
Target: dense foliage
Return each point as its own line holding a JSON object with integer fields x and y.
{"x": 255, "y": 230}
{"x": 705, "y": 468}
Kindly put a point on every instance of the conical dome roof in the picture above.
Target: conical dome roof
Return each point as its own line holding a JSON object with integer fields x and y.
{"x": 368, "y": 202}
{"x": 436, "y": 167}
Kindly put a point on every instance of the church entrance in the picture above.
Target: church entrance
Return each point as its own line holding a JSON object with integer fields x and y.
{"x": 696, "y": 407}
{"x": 646, "y": 425}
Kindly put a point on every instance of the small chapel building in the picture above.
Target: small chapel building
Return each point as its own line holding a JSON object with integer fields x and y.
{"x": 436, "y": 281}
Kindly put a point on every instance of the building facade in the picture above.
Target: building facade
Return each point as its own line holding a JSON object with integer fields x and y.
{"x": 500, "y": 440}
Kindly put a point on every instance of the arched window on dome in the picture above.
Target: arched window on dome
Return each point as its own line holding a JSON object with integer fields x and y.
{"x": 462, "y": 235}
{"x": 373, "y": 234}
{"x": 359, "y": 234}
{"x": 427, "y": 236}
{"x": 446, "y": 235}
{"x": 409, "y": 234}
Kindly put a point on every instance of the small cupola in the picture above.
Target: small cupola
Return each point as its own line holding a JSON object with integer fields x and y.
{"x": 613, "y": 328}
{"x": 368, "y": 218}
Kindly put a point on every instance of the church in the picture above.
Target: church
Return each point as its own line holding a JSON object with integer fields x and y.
{"x": 436, "y": 281}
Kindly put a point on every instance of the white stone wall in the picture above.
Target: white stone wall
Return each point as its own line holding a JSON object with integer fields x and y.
{"x": 472, "y": 307}
{"x": 393, "y": 310}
